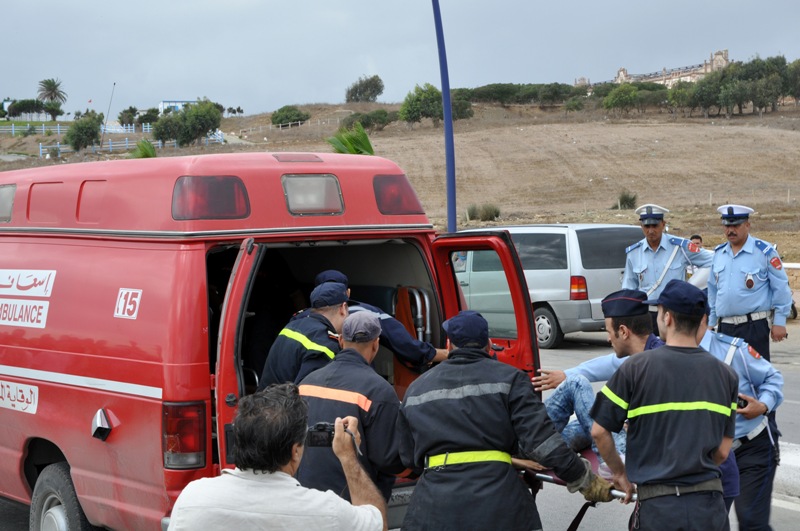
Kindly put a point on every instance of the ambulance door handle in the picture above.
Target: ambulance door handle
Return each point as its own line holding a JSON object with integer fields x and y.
{"x": 101, "y": 426}
{"x": 464, "y": 283}
{"x": 231, "y": 400}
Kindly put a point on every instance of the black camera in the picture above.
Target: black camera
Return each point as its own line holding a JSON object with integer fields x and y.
{"x": 741, "y": 403}
{"x": 320, "y": 434}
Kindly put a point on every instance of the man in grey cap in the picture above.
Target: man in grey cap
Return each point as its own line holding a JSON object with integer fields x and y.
{"x": 461, "y": 422}
{"x": 348, "y": 386}
{"x": 305, "y": 345}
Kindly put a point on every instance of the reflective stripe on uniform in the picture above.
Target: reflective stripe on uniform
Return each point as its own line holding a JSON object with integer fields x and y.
{"x": 460, "y": 458}
{"x": 457, "y": 393}
{"x": 667, "y": 406}
{"x": 307, "y": 343}
{"x": 350, "y": 397}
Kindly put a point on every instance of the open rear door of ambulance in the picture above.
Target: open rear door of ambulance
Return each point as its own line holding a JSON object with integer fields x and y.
{"x": 481, "y": 271}
{"x": 229, "y": 378}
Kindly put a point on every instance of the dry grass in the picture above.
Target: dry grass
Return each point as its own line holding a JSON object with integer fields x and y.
{"x": 542, "y": 166}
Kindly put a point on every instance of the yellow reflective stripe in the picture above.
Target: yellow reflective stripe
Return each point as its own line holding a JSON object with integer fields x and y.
{"x": 680, "y": 406}
{"x": 350, "y": 397}
{"x": 614, "y": 398}
{"x": 459, "y": 458}
{"x": 303, "y": 340}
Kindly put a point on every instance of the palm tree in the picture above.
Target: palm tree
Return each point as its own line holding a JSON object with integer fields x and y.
{"x": 50, "y": 90}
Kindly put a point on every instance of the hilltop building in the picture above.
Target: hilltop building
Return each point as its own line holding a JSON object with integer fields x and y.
{"x": 717, "y": 61}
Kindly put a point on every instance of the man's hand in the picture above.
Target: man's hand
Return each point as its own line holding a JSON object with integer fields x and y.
{"x": 526, "y": 464}
{"x": 753, "y": 409}
{"x": 548, "y": 379}
{"x": 441, "y": 355}
{"x": 343, "y": 445}
{"x": 778, "y": 333}
{"x": 593, "y": 487}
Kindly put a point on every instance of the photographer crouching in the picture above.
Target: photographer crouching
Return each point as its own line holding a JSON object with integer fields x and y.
{"x": 270, "y": 431}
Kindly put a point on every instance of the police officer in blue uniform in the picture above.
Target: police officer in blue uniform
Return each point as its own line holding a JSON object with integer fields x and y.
{"x": 461, "y": 422}
{"x": 305, "y": 345}
{"x": 748, "y": 288}
{"x": 655, "y": 260}
{"x": 755, "y": 443}
{"x": 348, "y": 386}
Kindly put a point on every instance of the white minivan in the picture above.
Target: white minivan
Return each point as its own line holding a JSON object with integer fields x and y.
{"x": 569, "y": 269}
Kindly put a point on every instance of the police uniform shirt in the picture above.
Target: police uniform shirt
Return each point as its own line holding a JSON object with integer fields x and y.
{"x": 643, "y": 266}
{"x": 757, "y": 377}
{"x": 753, "y": 280}
{"x": 679, "y": 403}
{"x": 349, "y": 386}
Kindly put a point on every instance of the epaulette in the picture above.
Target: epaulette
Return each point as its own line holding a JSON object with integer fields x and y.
{"x": 735, "y": 341}
{"x": 632, "y": 247}
{"x": 720, "y": 246}
{"x": 763, "y": 246}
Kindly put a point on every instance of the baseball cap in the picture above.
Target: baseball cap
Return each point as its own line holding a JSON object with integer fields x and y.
{"x": 331, "y": 275}
{"x": 682, "y": 297}
{"x": 651, "y": 214}
{"x": 624, "y": 303}
{"x": 361, "y": 327}
{"x": 468, "y": 328}
{"x": 328, "y": 294}
{"x": 734, "y": 214}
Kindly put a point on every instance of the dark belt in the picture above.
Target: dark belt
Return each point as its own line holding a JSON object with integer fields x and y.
{"x": 645, "y": 492}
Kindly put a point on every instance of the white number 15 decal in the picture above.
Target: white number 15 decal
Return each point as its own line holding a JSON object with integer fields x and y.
{"x": 128, "y": 303}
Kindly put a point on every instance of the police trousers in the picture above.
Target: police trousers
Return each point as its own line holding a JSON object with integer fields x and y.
{"x": 757, "y": 460}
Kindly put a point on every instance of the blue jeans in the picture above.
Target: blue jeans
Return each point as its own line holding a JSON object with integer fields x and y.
{"x": 575, "y": 395}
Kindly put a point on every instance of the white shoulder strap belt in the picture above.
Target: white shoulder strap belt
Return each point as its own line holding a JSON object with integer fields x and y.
{"x": 664, "y": 273}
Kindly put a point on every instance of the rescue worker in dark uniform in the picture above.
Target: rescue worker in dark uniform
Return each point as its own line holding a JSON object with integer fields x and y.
{"x": 680, "y": 404}
{"x": 393, "y": 334}
{"x": 305, "y": 345}
{"x": 348, "y": 386}
{"x": 461, "y": 421}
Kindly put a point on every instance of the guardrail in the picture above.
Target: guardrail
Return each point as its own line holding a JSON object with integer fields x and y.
{"x": 57, "y": 149}
{"x": 59, "y": 129}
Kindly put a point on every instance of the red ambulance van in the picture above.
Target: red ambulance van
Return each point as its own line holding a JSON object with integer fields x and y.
{"x": 139, "y": 298}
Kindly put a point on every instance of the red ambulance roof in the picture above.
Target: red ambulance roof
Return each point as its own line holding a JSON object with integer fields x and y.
{"x": 211, "y": 194}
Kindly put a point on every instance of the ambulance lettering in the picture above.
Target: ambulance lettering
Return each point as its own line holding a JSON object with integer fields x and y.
{"x": 26, "y": 283}
{"x": 29, "y": 314}
{"x": 127, "y": 303}
{"x": 19, "y": 397}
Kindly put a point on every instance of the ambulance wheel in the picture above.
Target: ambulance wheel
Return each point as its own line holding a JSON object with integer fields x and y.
{"x": 54, "y": 505}
{"x": 548, "y": 333}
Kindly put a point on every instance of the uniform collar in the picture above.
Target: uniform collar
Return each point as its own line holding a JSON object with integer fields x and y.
{"x": 351, "y": 355}
{"x": 748, "y": 247}
{"x": 470, "y": 353}
{"x": 661, "y": 245}
{"x": 324, "y": 320}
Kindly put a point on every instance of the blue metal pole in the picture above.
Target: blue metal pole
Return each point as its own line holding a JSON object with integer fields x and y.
{"x": 449, "y": 147}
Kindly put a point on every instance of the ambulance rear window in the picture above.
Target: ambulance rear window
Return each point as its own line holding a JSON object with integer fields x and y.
{"x": 7, "y": 192}
{"x": 209, "y": 197}
{"x": 312, "y": 194}
{"x": 394, "y": 195}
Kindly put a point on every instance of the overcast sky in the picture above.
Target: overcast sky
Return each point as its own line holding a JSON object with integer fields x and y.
{"x": 263, "y": 54}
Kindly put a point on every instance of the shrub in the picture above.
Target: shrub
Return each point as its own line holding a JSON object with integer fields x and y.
{"x": 365, "y": 89}
{"x": 489, "y": 212}
{"x": 31, "y": 130}
{"x": 289, "y": 114}
{"x": 144, "y": 150}
{"x": 625, "y": 201}
{"x": 167, "y": 128}
{"x": 84, "y": 132}
{"x": 472, "y": 212}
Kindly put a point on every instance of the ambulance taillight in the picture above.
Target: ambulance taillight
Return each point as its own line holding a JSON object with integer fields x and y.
{"x": 394, "y": 195}
{"x": 209, "y": 197}
{"x": 577, "y": 289}
{"x": 184, "y": 435}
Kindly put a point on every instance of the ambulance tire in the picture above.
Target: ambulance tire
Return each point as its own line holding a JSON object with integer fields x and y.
{"x": 54, "y": 505}
{"x": 548, "y": 332}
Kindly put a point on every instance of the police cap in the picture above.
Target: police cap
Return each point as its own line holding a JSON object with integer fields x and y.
{"x": 331, "y": 275}
{"x": 468, "y": 328}
{"x": 734, "y": 214}
{"x": 624, "y": 303}
{"x": 682, "y": 297}
{"x": 651, "y": 214}
{"x": 328, "y": 294}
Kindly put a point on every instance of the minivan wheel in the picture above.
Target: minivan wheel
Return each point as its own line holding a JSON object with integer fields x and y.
{"x": 548, "y": 333}
{"x": 54, "y": 505}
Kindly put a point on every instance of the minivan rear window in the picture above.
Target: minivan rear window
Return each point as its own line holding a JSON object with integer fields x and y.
{"x": 604, "y": 248}
{"x": 541, "y": 251}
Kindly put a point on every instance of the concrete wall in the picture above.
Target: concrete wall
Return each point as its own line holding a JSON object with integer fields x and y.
{"x": 793, "y": 272}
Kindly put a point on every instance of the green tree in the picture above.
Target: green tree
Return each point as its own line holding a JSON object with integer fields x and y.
{"x": 289, "y": 114}
{"x": 680, "y": 96}
{"x": 462, "y": 109}
{"x": 150, "y": 116}
{"x": 354, "y": 141}
{"x": 197, "y": 120}
{"x": 623, "y": 98}
{"x": 423, "y": 102}
{"x": 573, "y": 104}
{"x": 365, "y": 89}
{"x": 167, "y": 127}
{"x": 53, "y": 108}
{"x": 128, "y": 116}
{"x": 707, "y": 91}
{"x": 84, "y": 132}
{"x": 793, "y": 80}
{"x": 29, "y": 107}
{"x": 554, "y": 93}
{"x": 50, "y": 90}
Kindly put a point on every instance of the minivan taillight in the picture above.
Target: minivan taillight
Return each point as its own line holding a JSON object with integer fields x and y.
{"x": 577, "y": 289}
{"x": 183, "y": 438}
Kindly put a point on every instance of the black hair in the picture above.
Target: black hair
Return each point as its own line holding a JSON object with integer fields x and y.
{"x": 266, "y": 427}
{"x": 696, "y": 237}
{"x": 639, "y": 325}
{"x": 685, "y": 323}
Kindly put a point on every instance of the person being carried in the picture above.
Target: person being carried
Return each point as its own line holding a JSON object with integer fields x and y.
{"x": 348, "y": 386}
{"x": 461, "y": 422}
{"x": 305, "y": 345}
{"x": 269, "y": 434}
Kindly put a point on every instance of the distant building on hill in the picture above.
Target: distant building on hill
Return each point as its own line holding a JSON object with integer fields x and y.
{"x": 717, "y": 61}
{"x": 173, "y": 105}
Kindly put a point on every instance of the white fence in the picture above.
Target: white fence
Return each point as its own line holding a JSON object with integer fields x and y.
{"x": 58, "y": 129}
{"x": 290, "y": 125}
{"x": 121, "y": 145}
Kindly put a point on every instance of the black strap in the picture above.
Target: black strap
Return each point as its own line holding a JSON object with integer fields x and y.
{"x": 578, "y": 517}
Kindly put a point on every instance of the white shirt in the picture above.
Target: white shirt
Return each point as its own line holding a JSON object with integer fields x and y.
{"x": 242, "y": 499}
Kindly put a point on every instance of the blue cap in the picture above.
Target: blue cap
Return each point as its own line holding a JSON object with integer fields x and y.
{"x": 734, "y": 214}
{"x": 331, "y": 275}
{"x": 624, "y": 303}
{"x": 682, "y": 297}
{"x": 467, "y": 329}
{"x": 651, "y": 214}
{"x": 328, "y": 294}
{"x": 361, "y": 327}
